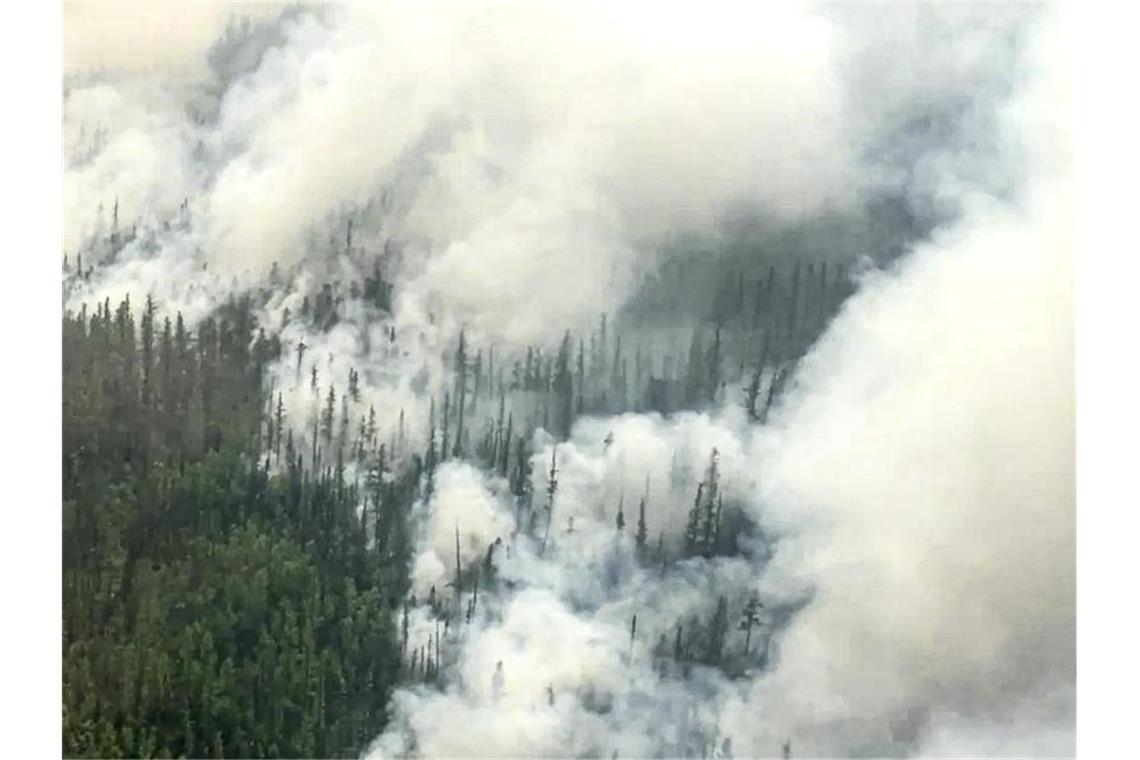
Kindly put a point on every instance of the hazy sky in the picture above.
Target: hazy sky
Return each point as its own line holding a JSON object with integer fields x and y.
{"x": 116, "y": 34}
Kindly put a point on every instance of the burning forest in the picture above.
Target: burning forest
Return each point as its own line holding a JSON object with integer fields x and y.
{"x": 509, "y": 379}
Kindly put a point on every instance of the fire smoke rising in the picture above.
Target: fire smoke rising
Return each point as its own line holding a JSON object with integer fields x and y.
{"x": 909, "y": 502}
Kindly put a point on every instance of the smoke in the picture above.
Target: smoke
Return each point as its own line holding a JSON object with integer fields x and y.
{"x": 460, "y": 522}
{"x": 917, "y": 489}
{"x": 924, "y": 473}
{"x": 532, "y": 156}
{"x": 546, "y": 664}
{"x": 906, "y": 515}
{"x": 923, "y": 482}
{"x": 535, "y": 149}
{"x": 622, "y": 460}
{"x": 114, "y": 140}
{"x": 123, "y": 36}
{"x": 525, "y": 159}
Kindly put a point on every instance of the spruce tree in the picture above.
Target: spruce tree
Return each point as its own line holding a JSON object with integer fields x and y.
{"x": 329, "y": 415}
{"x": 279, "y": 422}
{"x": 564, "y": 387}
{"x": 692, "y": 526}
{"x": 717, "y": 631}
{"x": 642, "y": 528}
{"x": 748, "y": 620}
{"x": 551, "y": 490}
{"x": 708, "y": 537}
{"x": 460, "y": 393}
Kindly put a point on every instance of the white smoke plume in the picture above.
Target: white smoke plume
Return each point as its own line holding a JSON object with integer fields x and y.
{"x": 923, "y": 477}
{"x": 536, "y": 149}
{"x": 526, "y": 157}
{"x": 460, "y": 521}
{"x": 548, "y": 665}
{"x": 911, "y": 502}
{"x": 918, "y": 484}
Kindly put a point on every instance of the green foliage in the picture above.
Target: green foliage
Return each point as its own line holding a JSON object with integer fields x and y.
{"x": 211, "y": 607}
{"x": 228, "y": 591}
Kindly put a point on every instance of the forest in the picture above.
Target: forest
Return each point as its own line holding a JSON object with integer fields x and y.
{"x": 551, "y": 379}
{"x": 234, "y": 580}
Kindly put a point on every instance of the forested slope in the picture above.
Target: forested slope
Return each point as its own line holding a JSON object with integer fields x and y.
{"x": 210, "y": 608}
{"x": 234, "y": 579}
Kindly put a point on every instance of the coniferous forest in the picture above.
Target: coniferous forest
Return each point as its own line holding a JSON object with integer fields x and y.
{"x": 231, "y": 589}
{"x": 557, "y": 380}
{"x": 211, "y": 608}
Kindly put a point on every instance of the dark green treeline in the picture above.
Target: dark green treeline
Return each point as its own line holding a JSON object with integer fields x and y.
{"x": 210, "y": 608}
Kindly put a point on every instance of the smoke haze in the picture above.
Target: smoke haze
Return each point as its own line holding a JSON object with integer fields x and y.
{"x": 906, "y": 510}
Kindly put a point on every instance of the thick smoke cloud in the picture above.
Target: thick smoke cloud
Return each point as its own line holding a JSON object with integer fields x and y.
{"x": 912, "y": 499}
{"x": 553, "y": 667}
{"x": 525, "y": 157}
{"x": 462, "y": 516}
{"x": 547, "y": 136}
{"x": 529, "y": 148}
{"x": 923, "y": 474}
{"x": 919, "y": 484}
{"x": 536, "y": 149}
{"x": 923, "y": 484}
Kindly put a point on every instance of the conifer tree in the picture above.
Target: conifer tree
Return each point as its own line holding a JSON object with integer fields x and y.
{"x": 342, "y": 439}
{"x": 353, "y": 385}
{"x": 551, "y": 489}
{"x": 692, "y": 526}
{"x": 564, "y": 387}
{"x": 507, "y": 443}
{"x": 712, "y": 365}
{"x": 642, "y": 528}
{"x": 794, "y": 305}
{"x": 581, "y": 378}
{"x": 279, "y": 421}
{"x": 444, "y": 449}
{"x": 632, "y": 633}
{"x": 748, "y": 620}
{"x": 370, "y": 427}
{"x": 166, "y": 361}
{"x": 717, "y": 630}
{"x": 711, "y": 493}
{"x": 147, "y": 349}
{"x": 695, "y": 376}
{"x": 461, "y": 393}
{"x": 328, "y": 417}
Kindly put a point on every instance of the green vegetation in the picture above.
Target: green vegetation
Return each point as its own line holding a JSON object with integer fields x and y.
{"x": 211, "y": 608}
{"x": 235, "y": 582}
